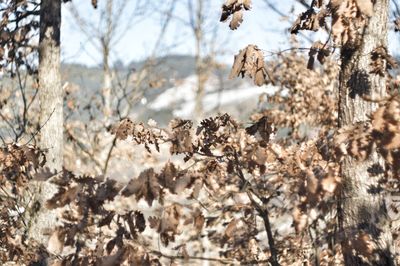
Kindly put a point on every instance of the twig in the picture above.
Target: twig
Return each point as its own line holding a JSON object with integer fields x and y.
{"x": 172, "y": 257}
{"x": 9, "y": 124}
{"x": 263, "y": 212}
{"x": 265, "y": 216}
{"x": 3, "y": 140}
{"x": 25, "y": 106}
{"x": 316, "y": 250}
{"x": 40, "y": 128}
{"x": 109, "y": 155}
{"x": 83, "y": 149}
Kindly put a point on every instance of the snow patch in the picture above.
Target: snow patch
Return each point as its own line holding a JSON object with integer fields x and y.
{"x": 181, "y": 98}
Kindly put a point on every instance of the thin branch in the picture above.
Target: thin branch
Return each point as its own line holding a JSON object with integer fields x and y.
{"x": 263, "y": 212}
{"x": 25, "y": 106}
{"x": 83, "y": 149}
{"x": 9, "y": 124}
{"x": 3, "y": 140}
{"x": 172, "y": 257}
{"x": 276, "y": 10}
{"x": 113, "y": 145}
{"x": 40, "y": 128}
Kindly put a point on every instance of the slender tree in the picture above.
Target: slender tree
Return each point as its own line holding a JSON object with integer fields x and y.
{"x": 51, "y": 109}
{"x": 104, "y": 34}
{"x": 197, "y": 25}
{"x": 206, "y": 45}
{"x": 362, "y": 212}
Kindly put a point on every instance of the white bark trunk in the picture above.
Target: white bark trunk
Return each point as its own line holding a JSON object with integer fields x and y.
{"x": 106, "y": 42}
{"x": 51, "y": 111}
{"x": 107, "y": 85}
{"x": 200, "y": 68}
{"x": 362, "y": 212}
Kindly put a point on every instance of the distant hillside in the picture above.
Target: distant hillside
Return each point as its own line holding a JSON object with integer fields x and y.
{"x": 174, "y": 96}
{"x": 180, "y": 66}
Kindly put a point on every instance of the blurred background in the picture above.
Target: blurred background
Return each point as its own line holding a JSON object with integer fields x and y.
{"x": 152, "y": 61}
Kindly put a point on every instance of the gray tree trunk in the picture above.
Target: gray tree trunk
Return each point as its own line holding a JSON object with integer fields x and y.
{"x": 51, "y": 111}
{"x": 200, "y": 71}
{"x": 107, "y": 75}
{"x": 107, "y": 83}
{"x": 360, "y": 211}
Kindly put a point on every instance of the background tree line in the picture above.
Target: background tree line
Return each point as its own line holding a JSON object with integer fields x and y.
{"x": 223, "y": 192}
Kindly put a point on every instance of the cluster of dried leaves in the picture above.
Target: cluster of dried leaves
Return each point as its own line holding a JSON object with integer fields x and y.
{"x": 311, "y": 19}
{"x": 250, "y": 62}
{"x": 245, "y": 175}
{"x": 18, "y": 165}
{"x": 310, "y": 105}
{"x": 238, "y": 183}
{"x": 234, "y": 9}
{"x": 231, "y": 186}
{"x": 18, "y": 24}
{"x": 382, "y": 61}
{"x": 348, "y": 19}
{"x": 306, "y": 101}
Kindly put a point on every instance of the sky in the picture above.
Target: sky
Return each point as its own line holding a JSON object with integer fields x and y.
{"x": 262, "y": 26}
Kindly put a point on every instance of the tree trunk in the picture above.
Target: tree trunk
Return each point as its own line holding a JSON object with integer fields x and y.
{"x": 107, "y": 83}
{"x": 107, "y": 75}
{"x": 200, "y": 71}
{"x": 363, "y": 215}
{"x": 200, "y": 90}
{"x": 51, "y": 111}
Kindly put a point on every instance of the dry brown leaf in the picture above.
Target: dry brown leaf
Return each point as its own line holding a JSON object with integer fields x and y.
{"x": 319, "y": 49}
{"x": 198, "y": 220}
{"x": 329, "y": 184}
{"x": 299, "y": 219}
{"x": 145, "y": 186}
{"x": 230, "y": 229}
{"x": 234, "y": 9}
{"x": 397, "y": 25}
{"x": 124, "y": 129}
{"x": 55, "y": 245}
{"x": 250, "y": 62}
{"x": 381, "y": 61}
{"x": 310, "y": 20}
{"x": 363, "y": 244}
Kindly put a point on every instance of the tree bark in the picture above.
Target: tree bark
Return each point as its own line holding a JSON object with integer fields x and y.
{"x": 363, "y": 215}
{"x": 107, "y": 83}
{"x": 51, "y": 112}
{"x": 200, "y": 71}
{"x": 107, "y": 75}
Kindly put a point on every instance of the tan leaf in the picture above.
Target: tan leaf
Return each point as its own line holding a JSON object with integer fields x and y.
{"x": 199, "y": 220}
{"x": 124, "y": 129}
{"x": 329, "y": 184}
{"x": 230, "y": 229}
{"x": 237, "y": 19}
{"x": 366, "y": 7}
{"x": 300, "y": 219}
{"x": 55, "y": 245}
{"x": 145, "y": 186}
{"x": 234, "y": 9}
{"x": 250, "y": 62}
{"x": 363, "y": 244}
